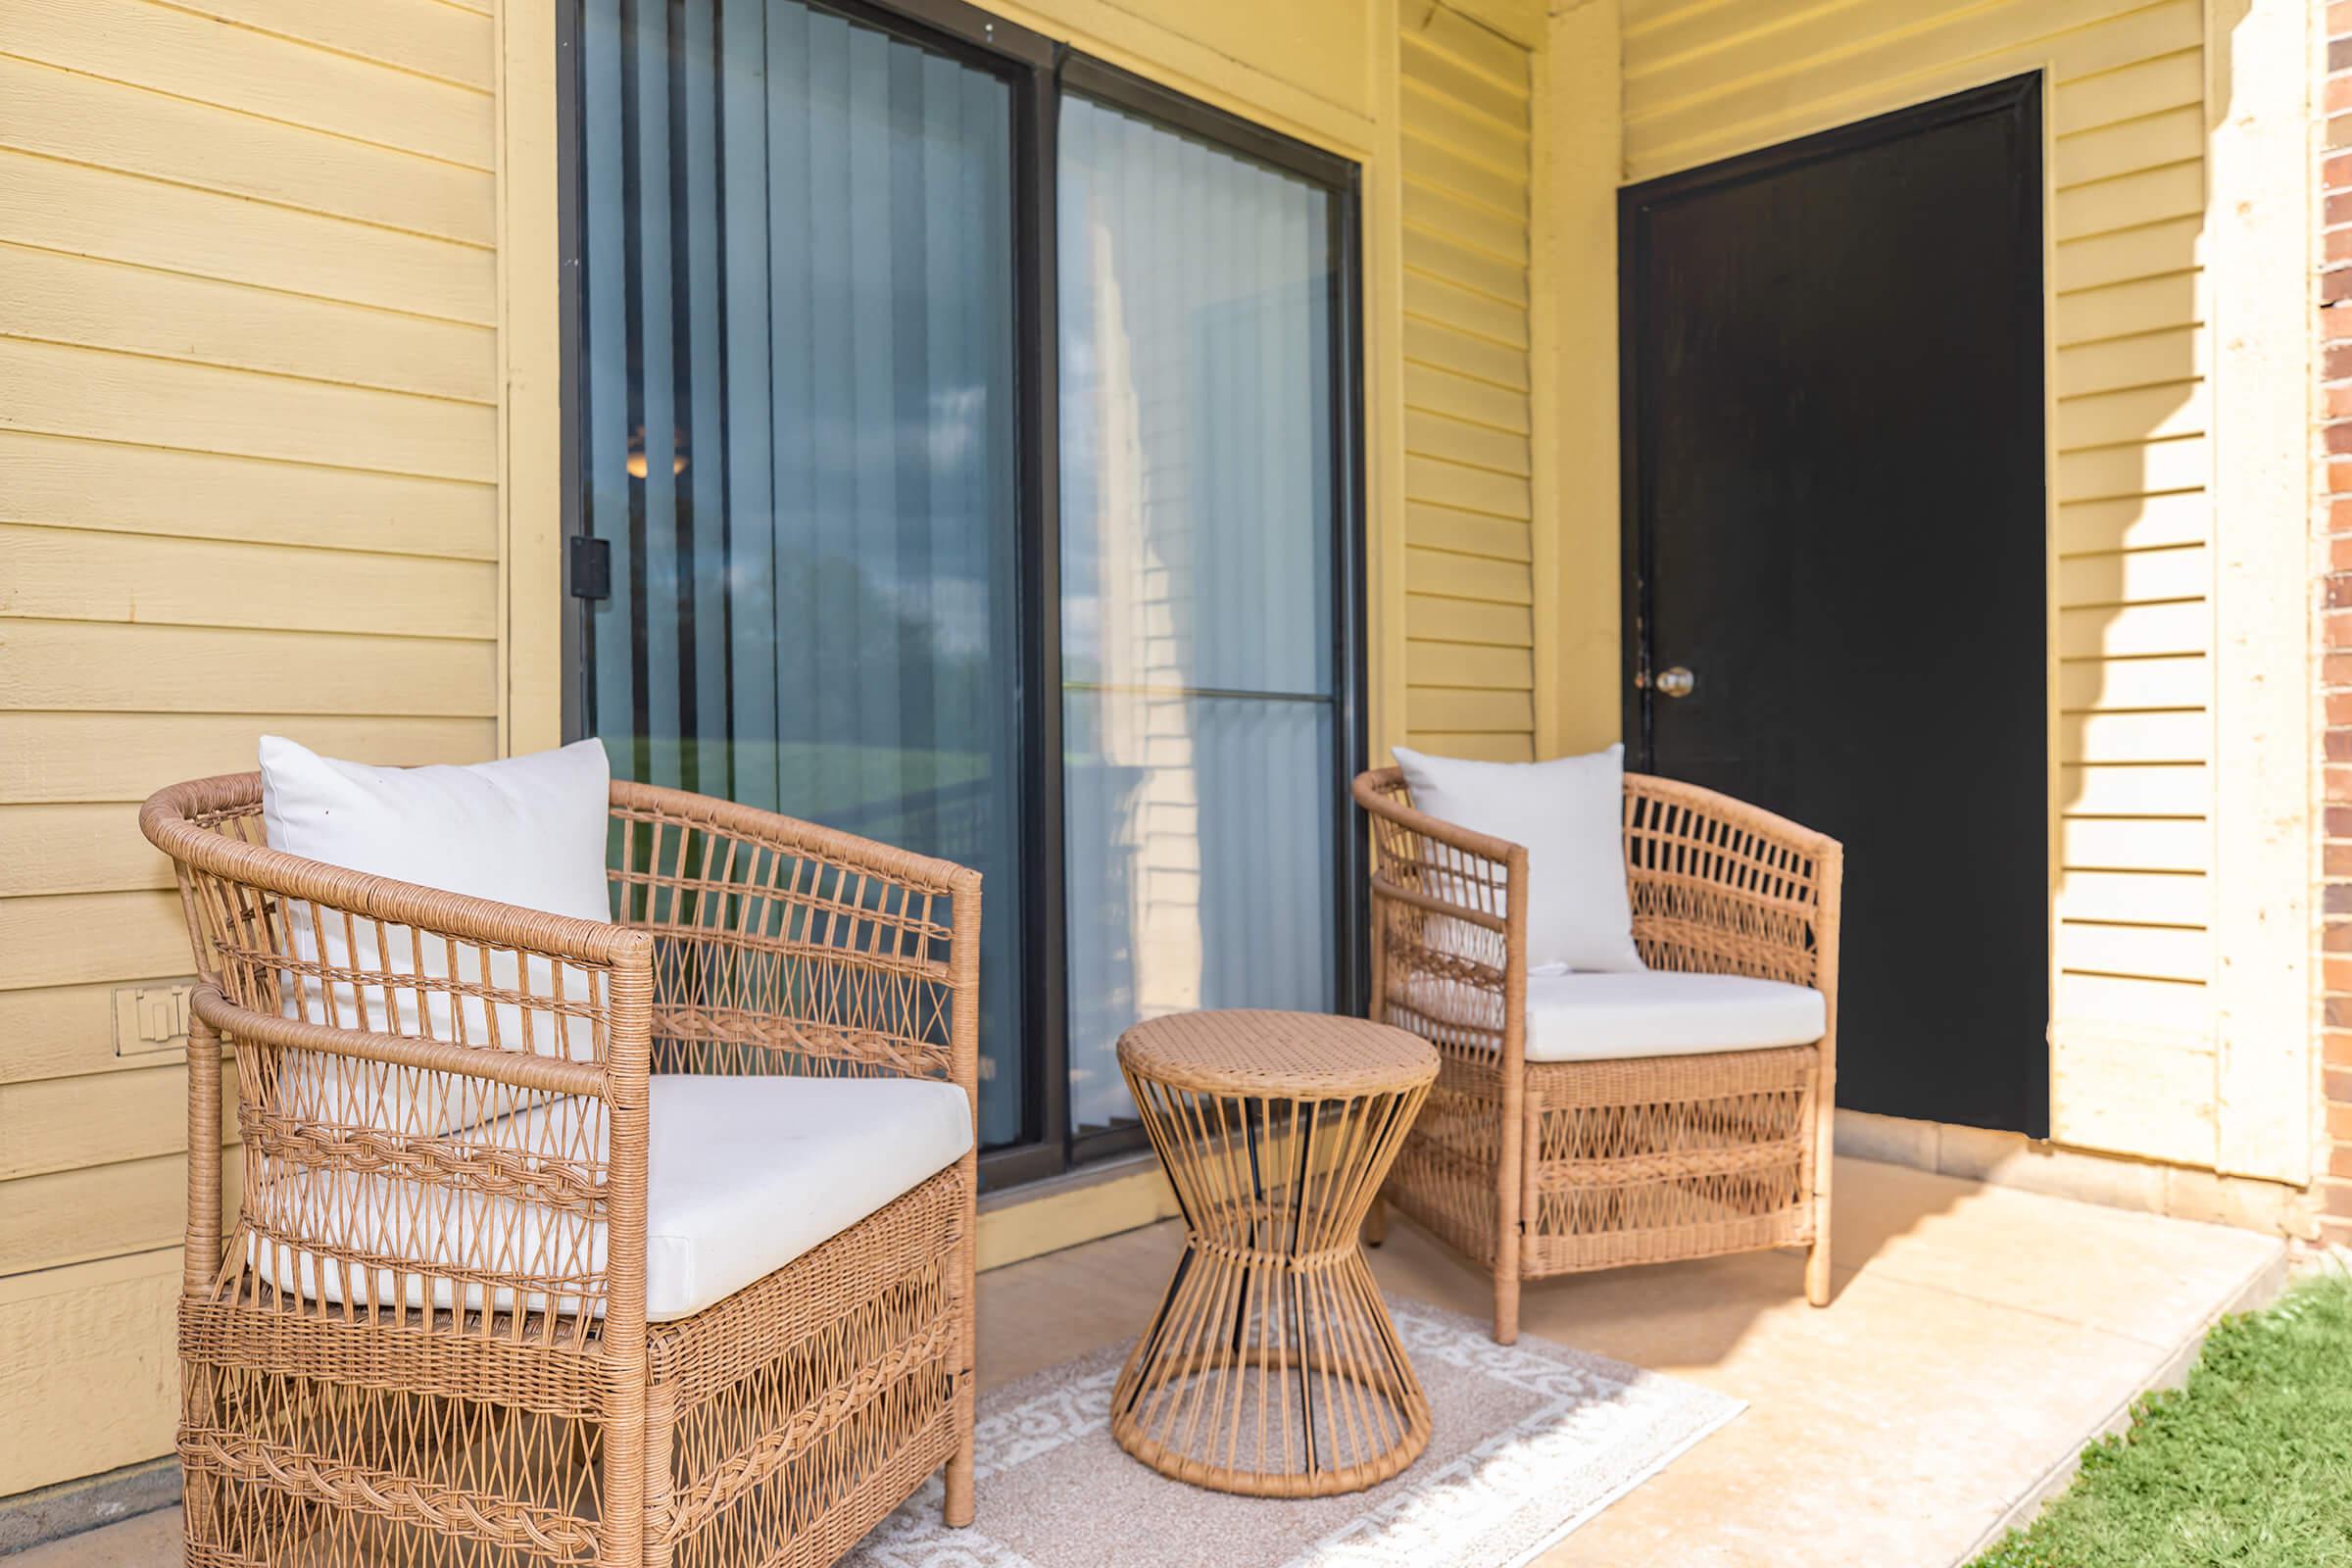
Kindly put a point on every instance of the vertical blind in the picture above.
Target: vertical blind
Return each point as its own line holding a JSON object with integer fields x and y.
{"x": 1198, "y": 423}
{"x": 799, "y": 431}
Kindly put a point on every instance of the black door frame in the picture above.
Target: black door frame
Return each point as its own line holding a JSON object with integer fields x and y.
{"x": 2021, "y": 95}
{"x": 1040, "y": 69}
{"x": 1633, "y": 203}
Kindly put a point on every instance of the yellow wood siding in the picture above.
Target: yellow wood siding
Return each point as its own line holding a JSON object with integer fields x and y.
{"x": 2133, "y": 621}
{"x": 1465, "y": 117}
{"x": 249, "y": 464}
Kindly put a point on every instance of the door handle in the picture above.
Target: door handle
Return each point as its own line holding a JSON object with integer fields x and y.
{"x": 1675, "y": 682}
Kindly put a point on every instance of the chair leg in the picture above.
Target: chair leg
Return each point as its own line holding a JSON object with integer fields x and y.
{"x": 661, "y": 1432}
{"x": 1376, "y": 1222}
{"x": 962, "y": 1500}
{"x": 962, "y": 1503}
{"x": 1817, "y": 1273}
{"x": 1507, "y": 1306}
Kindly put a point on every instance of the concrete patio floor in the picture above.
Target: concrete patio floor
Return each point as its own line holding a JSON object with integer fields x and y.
{"x": 1978, "y": 1335}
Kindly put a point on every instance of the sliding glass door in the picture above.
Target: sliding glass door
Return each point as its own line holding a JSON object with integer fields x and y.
{"x": 965, "y": 453}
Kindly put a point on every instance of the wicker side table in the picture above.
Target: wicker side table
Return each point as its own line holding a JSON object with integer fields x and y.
{"x": 1272, "y": 1368}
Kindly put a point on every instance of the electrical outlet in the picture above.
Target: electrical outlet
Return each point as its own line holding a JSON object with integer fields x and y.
{"x": 152, "y": 1020}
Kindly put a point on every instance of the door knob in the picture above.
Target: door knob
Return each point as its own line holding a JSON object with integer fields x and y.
{"x": 1675, "y": 682}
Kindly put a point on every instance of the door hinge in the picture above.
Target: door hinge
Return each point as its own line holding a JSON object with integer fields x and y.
{"x": 590, "y": 567}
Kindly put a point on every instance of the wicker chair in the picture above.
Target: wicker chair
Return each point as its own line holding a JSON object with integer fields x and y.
{"x": 1537, "y": 1169}
{"x": 431, "y": 1344}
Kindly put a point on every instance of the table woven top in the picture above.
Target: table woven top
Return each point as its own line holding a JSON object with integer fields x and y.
{"x": 1303, "y": 1056}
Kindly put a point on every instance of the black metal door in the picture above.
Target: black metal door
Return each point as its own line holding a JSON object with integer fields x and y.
{"x": 1835, "y": 523}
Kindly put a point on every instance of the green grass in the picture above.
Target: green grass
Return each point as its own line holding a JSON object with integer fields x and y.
{"x": 2250, "y": 1465}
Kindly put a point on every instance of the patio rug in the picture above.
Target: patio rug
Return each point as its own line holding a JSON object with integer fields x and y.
{"x": 1530, "y": 1441}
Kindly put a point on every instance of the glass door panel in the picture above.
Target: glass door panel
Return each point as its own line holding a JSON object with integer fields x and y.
{"x": 1199, "y": 422}
{"x": 798, "y": 423}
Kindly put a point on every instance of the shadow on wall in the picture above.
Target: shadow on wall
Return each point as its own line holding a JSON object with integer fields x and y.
{"x": 2135, "y": 545}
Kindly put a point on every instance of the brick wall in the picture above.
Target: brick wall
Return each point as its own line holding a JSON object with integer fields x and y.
{"x": 2335, "y": 665}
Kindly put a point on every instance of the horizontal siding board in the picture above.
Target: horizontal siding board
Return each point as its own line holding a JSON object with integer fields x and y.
{"x": 59, "y": 114}
{"x": 1463, "y": 664}
{"x": 1464, "y": 709}
{"x": 197, "y": 57}
{"x": 1480, "y": 746}
{"x": 87, "y": 1368}
{"x": 75, "y": 1123}
{"x": 1477, "y": 446}
{"x": 2134, "y": 522}
{"x": 1435, "y": 254}
{"x": 2135, "y": 468}
{"x": 2143, "y": 737}
{"x": 2129, "y": 92}
{"x": 2135, "y": 576}
{"x": 129, "y": 756}
{"x": 2134, "y": 790}
{"x": 2157, "y": 951}
{"x": 104, "y": 212}
{"x": 2152, "y": 359}
{"x": 2147, "y": 844}
{"x": 1770, "y": 88}
{"x": 1466, "y": 620}
{"x": 2126, "y": 310}
{"x": 123, "y": 397}
{"x": 76, "y": 575}
{"x": 1443, "y": 28}
{"x": 1458, "y": 354}
{"x": 1438, "y": 300}
{"x": 2135, "y": 631}
{"x": 1465, "y": 397}
{"x": 67, "y": 481}
{"x": 1438, "y": 572}
{"x": 1470, "y": 533}
{"x": 2116, "y": 258}
{"x": 425, "y": 36}
{"x": 2128, "y": 201}
{"x": 69, "y": 1031}
{"x": 2169, "y": 136}
{"x": 1435, "y": 116}
{"x": 69, "y": 939}
{"x": 1452, "y": 485}
{"x": 1478, "y": 95}
{"x": 1466, "y": 223}
{"x": 1433, "y": 164}
{"x": 2163, "y": 898}
{"x": 2139, "y": 414}
{"x": 78, "y": 849}
{"x": 2142, "y": 1003}
{"x": 98, "y": 668}
{"x": 142, "y": 310}
{"x": 2116, "y": 685}
{"x": 71, "y": 1216}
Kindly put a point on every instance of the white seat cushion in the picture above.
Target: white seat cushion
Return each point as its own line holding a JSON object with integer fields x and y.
{"x": 743, "y": 1176}
{"x": 1593, "y": 1017}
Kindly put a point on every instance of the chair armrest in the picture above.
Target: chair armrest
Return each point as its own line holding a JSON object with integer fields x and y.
{"x": 784, "y": 945}
{"x": 1722, "y": 887}
{"x": 1449, "y": 924}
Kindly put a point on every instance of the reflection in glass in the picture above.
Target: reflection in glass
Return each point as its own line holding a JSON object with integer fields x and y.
{"x": 799, "y": 431}
{"x": 1198, "y": 585}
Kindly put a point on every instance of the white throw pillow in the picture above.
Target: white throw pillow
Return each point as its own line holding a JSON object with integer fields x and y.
{"x": 526, "y": 830}
{"x": 1569, "y": 813}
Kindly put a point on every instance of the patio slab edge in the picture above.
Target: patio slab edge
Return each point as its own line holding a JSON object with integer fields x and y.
{"x": 2258, "y": 1288}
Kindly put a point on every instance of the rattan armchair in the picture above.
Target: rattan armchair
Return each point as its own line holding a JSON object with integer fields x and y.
{"x": 426, "y": 1337}
{"x": 1540, "y": 1168}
